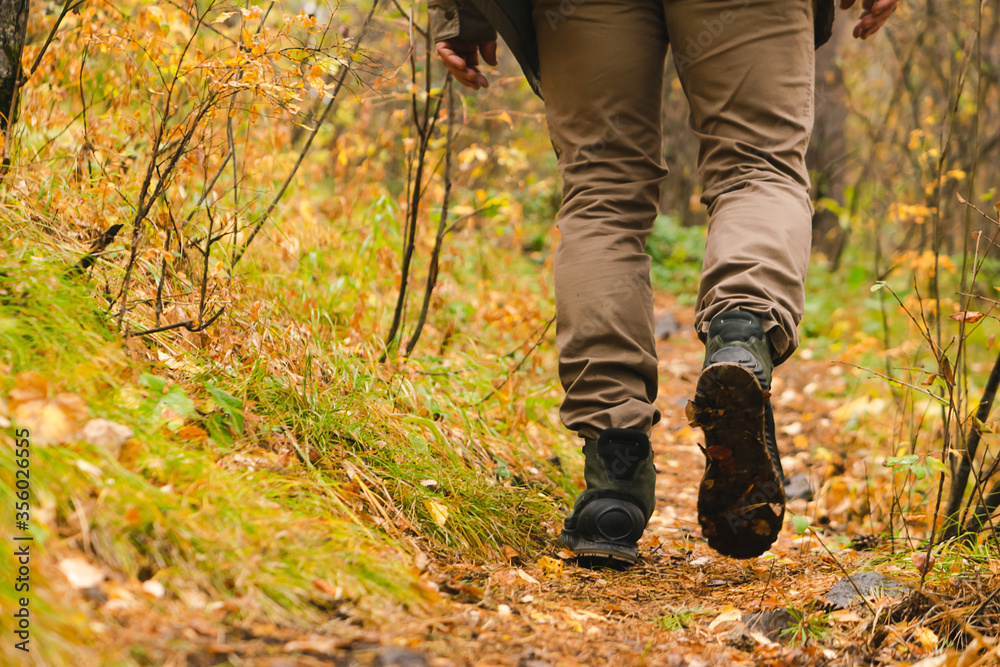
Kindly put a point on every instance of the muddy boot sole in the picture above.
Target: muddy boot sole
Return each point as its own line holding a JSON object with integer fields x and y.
{"x": 741, "y": 500}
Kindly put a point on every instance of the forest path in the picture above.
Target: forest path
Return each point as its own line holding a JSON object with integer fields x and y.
{"x": 660, "y": 611}
{"x": 680, "y": 605}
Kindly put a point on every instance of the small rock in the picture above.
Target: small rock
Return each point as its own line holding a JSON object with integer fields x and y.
{"x": 769, "y": 623}
{"x": 666, "y": 326}
{"x": 95, "y": 595}
{"x": 843, "y": 592}
{"x": 797, "y": 487}
{"x": 530, "y": 659}
{"x": 793, "y": 429}
{"x": 741, "y": 639}
{"x": 400, "y": 657}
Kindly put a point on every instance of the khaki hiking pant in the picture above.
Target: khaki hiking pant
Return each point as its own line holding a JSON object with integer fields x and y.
{"x": 746, "y": 67}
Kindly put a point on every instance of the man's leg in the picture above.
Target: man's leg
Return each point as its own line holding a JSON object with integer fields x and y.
{"x": 602, "y": 68}
{"x": 602, "y": 63}
{"x": 747, "y": 69}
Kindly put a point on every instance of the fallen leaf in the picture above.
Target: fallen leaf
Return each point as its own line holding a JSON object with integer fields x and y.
{"x": 80, "y": 573}
{"x": 30, "y": 386}
{"x": 154, "y": 588}
{"x": 106, "y": 433}
{"x": 727, "y": 615}
{"x": 922, "y": 562}
{"x": 438, "y": 512}
{"x": 324, "y": 586}
{"x": 192, "y": 432}
{"x": 926, "y": 637}
{"x": 316, "y": 644}
{"x": 552, "y": 567}
{"x": 527, "y": 577}
{"x": 845, "y": 616}
{"x": 49, "y": 419}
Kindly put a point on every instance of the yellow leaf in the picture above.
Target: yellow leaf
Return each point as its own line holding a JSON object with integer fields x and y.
{"x": 222, "y": 17}
{"x": 845, "y": 616}
{"x": 437, "y": 511}
{"x": 926, "y": 637}
{"x": 727, "y": 615}
{"x": 552, "y": 567}
{"x": 251, "y": 14}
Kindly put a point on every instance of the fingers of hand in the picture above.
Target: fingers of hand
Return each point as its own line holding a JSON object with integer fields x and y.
{"x": 873, "y": 18}
{"x": 489, "y": 51}
{"x": 884, "y": 7}
{"x": 868, "y": 26}
{"x": 846, "y": 4}
{"x": 458, "y": 63}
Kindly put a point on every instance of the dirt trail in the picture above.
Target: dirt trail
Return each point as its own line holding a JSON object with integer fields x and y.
{"x": 531, "y": 618}
{"x": 676, "y": 607}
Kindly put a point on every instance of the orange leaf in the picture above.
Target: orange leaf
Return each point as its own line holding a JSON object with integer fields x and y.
{"x": 969, "y": 316}
{"x": 192, "y": 432}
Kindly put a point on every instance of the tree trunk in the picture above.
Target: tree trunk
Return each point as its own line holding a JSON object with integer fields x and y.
{"x": 13, "y": 24}
{"x": 828, "y": 147}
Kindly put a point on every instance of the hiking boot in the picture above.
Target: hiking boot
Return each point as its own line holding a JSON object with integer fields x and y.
{"x": 741, "y": 500}
{"x": 609, "y": 516}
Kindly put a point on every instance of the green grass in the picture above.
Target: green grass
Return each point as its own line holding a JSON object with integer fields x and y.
{"x": 681, "y": 618}
{"x": 810, "y": 625}
{"x": 319, "y": 463}
{"x": 677, "y": 253}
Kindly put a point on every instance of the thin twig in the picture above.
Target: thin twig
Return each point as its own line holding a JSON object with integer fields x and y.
{"x": 843, "y": 570}
{"x": 186, "y": 324}
{"x": 442, "y": 230}
{"x": 521, "y": 363}
{"x": 958, "y": 484}
{"x": 425, "y": 129}
{"x": 146, "y": 201}
{"x": 68, "y": 7}
{"x": 163, "y": 278}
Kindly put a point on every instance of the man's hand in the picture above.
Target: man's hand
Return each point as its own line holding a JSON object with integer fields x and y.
{"x": 873, "y": 16}
{"x": 461, "y": 57}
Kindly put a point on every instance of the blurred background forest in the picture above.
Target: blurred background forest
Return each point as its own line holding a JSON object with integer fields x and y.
{"x": 308, "y": 278}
